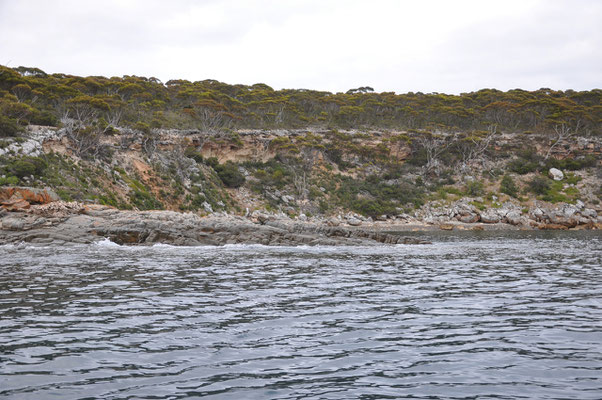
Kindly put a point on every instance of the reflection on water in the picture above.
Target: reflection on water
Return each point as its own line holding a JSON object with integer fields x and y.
{"x": 498, "y": 315}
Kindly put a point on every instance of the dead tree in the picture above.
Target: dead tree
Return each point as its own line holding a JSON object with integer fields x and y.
{"x": 474, "y": 148}
{"x": 434, "y": 146}
{"x": 562, "y": 132}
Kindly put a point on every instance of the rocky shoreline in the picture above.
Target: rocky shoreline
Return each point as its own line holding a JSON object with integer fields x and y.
{"x": 37, "y": 216}
{"x": 60, "y": 223}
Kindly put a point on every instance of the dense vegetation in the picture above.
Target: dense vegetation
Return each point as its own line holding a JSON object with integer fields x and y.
{"x": 372, "y": 153}
{"x": 29, "y": 95}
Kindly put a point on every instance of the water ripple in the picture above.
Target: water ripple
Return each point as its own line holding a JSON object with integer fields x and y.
{"x": 489, "y": 315}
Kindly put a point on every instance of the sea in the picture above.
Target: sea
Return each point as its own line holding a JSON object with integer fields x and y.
{"x": 474, "y": 315}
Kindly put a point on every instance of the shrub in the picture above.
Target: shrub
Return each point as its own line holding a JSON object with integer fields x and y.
{"x": 522, "y": 166}
{"x": 212, "y": 162}
{"x": 142, "y": 127}
{"x": 22, "y": 168}
{"x": 474, "y": 188}
{"x": 372, "y": 208}
{"x": 191, "y": 152}
{"x": 9, "y": 181}
{"x": 508, "y": 186}
{"x": 528, "y": 161}
{"x": 9, "y": 127}
{"x": 229, "y": 174}
{"x": 572, "y": 164}
{"x": 539, "y": 185}
{"x": 44, "y": 118}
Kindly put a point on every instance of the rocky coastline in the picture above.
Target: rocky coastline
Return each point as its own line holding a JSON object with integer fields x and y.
{"x": 37, "y": 216}
{"x": 59, "y": 222}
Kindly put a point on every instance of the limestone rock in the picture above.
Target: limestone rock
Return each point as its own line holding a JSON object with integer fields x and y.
{"x": 490, "y": 217}
{"x": 354, "y": 221}
{"x": 556, "y": 174}
{"x": 469, "y": 218}
{"x": 514, "y": 217}
{"x": 589, "y": 213}
{"x": 207, "y": 207}
{"x": 13, "y": 224}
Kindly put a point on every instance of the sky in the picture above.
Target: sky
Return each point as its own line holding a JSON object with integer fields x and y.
{"x": 335, "y": 45}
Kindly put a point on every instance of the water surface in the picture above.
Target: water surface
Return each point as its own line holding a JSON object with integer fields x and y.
{"x": 474, "y": 315}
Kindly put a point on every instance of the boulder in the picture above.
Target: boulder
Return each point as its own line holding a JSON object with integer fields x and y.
{"x": 469, "y": 218}
{"x": 490, "y": 217}
{"x": 262, "y": 218}
{"x": 536, "y": 213}
{"x": 514, "y": 217}
{"x": 333, "y": 222}
{"x": 589, "y": 213}
{"x": 15, "y": 204}
{"x": 288, "y": 199}
{"x": 13, "y": 224}
{"x": 354, "y": 221}
{"x": 556, "y": 174}
{"x": 31, "y": 195}
{"x": 207, "y": 207}
{"x": 569, "y": 211}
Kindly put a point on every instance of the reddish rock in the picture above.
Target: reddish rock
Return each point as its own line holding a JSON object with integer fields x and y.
{"x": 553, "y": 227}
{"x": 15, "y": 204}
{"x": 20, "y": 198}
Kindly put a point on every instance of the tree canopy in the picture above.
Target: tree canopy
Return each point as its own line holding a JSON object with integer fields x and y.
{"x": 31, "y": 96}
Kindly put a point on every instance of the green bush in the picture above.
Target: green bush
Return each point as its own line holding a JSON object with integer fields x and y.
{"x": 9, "y": 181}
{"x": 45, "y": 118}
{"x": 372, "y": 197}
{"x": 143, "y": 200}
{"x": 9, "y": 127}
{"x": 521, "y": 166}
{"x": 539, "y": 185}
{"x": 212, "y": 162}
{"x": 27, "y": 166}
{"x": 229, "y": 174}
{"x": 372, "y": 208}
{"x": 474, "y": 188}
{"x": 508, "y": 186}
{"x": 528, "y": 161}
{"x": 572, "y": 164}
{"x": 142, "y": 127}
{"x": 191, "y": 152}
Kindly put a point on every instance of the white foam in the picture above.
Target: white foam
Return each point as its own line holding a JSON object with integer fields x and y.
{"x": 106, "y": 242}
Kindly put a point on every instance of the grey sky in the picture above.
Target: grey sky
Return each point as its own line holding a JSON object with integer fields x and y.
{"x": 428, "y": 46}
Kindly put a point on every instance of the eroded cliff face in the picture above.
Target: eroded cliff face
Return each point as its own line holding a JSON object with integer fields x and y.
{"x": 352, "y": 176}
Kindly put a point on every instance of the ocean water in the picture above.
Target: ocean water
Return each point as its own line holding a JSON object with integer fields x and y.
{"x": 505, "y": 315}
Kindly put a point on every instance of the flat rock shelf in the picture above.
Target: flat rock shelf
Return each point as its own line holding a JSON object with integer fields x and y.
{"x": 87, "y": 224}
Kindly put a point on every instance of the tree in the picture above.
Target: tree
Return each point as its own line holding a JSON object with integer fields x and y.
{"x": 473, "y": 147}
{"x": 9, "y": 127}
{"x": 434, "y": 145}
{"x": 508, "y": 186}
{"x": 79, "y": 123}
{"x": 562, "y": 133}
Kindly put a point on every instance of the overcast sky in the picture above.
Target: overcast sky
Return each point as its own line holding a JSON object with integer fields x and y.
{"x": 447, "y": 46}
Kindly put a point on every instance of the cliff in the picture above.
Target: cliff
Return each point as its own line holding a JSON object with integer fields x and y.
{"x": 321, "y": 176}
